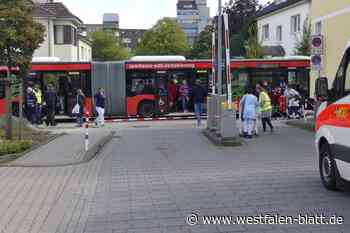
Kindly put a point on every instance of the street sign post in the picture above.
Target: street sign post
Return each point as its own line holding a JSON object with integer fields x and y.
{"x": 317, "y": 50}
{"x": 317, "y": 45}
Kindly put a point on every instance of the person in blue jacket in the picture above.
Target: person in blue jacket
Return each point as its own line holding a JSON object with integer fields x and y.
{"x": 249, "y": 105}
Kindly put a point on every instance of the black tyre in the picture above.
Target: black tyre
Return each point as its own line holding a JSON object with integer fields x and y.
{"x": 327, "y": 168}
{"x": 147, "y": 109}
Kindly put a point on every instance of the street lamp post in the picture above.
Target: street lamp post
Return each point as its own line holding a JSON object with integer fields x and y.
{"x": 219, "y": 56}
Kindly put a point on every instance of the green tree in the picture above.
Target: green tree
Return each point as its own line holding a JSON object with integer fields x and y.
{"x": 303, "y": 47}
{"x": 165, "y": 38}
{"x": 202, "y": 47}
{"x": 106, "y": 47}
{"x": 241, "y": 15}
{"x": 20, "y": 36}
{"x": 252, "y": 45}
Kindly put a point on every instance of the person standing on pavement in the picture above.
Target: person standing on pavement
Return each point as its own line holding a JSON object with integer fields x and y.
{"x": 80, "y": 102}
{"x": 199, "y": 95}
{"x": 39, "y": 101}
{"x": 184, "y": 92}
{"x": 100, "y": 102}
{"x": 50, "y": 103}
{"x": 31, "y": 106}
{"x": 265, "y": 108}
{"x": 249, "y": 105}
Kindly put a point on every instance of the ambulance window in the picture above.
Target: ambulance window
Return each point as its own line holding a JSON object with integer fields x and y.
{"x": 347, "y": 80}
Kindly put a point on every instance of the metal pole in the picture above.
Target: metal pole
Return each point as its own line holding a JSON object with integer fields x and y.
{"x": 20, "y": 110}
{"x": 213, "y": 63}
{"x": 87, "y": 136}
{"x": 228, "y": 63}
{"x": 219, "y": 58}
{"x": 9, "y": 105}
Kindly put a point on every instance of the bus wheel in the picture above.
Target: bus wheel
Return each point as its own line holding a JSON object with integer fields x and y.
{"x": 146, "y": 109}
{"x": 327, "y": 167}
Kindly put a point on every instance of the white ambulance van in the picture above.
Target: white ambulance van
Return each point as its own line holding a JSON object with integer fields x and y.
{"x": 333, "y": 126}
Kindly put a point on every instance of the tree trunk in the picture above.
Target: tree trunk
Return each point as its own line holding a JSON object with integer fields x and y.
{"x": 9, "y": 130}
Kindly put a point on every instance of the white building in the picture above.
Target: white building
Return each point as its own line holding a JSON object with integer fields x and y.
{"x": 193, "y": 16}
{"x": 62, "y": 35}
{"x": 280, "y": 25}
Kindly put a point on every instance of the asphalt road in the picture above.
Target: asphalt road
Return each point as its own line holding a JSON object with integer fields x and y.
{"x": 155, "y": 174}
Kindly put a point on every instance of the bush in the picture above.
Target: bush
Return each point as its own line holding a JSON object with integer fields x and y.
{"x": 14, "y": 147}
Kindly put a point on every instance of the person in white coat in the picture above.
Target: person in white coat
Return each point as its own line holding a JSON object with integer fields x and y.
{"x": 249, "y": 105}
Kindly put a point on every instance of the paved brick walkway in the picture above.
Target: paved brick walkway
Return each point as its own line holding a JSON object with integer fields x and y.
{"x": 150, "y": 179}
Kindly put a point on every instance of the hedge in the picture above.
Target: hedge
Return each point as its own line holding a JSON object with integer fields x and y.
{"x": 14, "y": 147}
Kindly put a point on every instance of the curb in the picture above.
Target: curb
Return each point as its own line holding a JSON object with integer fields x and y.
{"x": 88, "y": 156}
{"x": 308, "y": 126}
{"x": 154, "y": 119}
{"x": 12, "y": 157}
{"x": 219, "y": 141}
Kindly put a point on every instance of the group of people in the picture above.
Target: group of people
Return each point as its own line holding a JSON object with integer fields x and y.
{"x": 39, "y": 104}
{"x": 251, "y": 107}
{"x": 36, "y": 102}
{"x": 99, "y": 103}
{"x": 180, "y": 93}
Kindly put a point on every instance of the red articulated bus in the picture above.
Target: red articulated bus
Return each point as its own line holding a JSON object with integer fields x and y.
{"x": 139, "y": 87}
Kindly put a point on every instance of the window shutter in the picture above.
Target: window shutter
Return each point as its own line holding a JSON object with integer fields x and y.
{"x": 67, "y": 35}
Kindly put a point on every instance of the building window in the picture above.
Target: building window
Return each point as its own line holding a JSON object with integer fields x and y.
{"x": 318, "y": 28}
{"x": 65, "y": 35}
{"x": 295, "y": 23}
{"x": 59, "y": 38}
{"x": 279, "y": 33}
{"x": 266, "y": 32}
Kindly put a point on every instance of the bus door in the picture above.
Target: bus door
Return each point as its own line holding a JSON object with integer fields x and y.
{"x": 162, "y": 103}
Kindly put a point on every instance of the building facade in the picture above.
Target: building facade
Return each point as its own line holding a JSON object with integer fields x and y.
{"x": 62, "y": 38}
{"x": 193, "y": 16}
{"x": 331, "y": 20}
{"x": 129, "y": 38}
{"x": 280, "y": 25}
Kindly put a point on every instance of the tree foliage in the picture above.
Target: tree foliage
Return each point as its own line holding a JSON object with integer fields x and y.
{"x": 252, "y": 45}
{"x": 20, "y": 35}
{"x": 241, "y": 15}
{"x": 303, "y": 47}
{"x": 106, "y": 47}
{"x": 166, "y": 37}
{"x": 202, "y": 47}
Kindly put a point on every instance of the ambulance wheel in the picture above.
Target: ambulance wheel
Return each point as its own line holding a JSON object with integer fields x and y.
{"x": 327, "y": 168}
{"x": 146, "y": 109}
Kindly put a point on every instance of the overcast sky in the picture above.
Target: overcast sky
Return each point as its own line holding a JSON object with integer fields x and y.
{"x": 133, "y": 13}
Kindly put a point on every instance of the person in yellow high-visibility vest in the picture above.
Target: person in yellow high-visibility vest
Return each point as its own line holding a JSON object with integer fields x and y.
{"x": 265, "y": 107}
{"x": 39, "y": 104}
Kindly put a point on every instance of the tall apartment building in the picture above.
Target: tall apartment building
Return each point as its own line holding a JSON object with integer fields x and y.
{"x": 193, "y": 16}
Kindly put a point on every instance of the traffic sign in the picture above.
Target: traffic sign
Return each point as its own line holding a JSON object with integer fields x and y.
{"x": 317, "y": 45}
{"x": 316, "y": 62}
